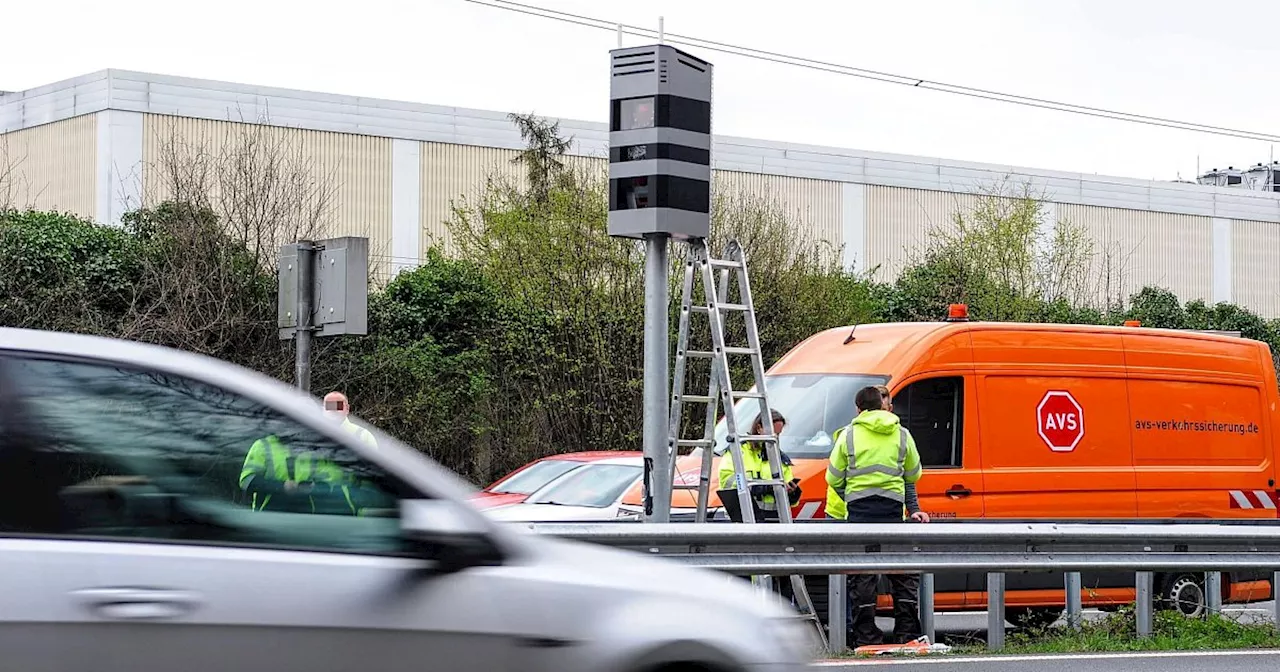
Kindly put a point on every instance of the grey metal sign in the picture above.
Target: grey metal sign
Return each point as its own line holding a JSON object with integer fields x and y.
{"x": 323, "y": 291}
{"x": 659, "y": 143}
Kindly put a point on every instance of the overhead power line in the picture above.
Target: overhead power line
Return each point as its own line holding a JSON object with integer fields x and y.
{"x": 875, "y": 75}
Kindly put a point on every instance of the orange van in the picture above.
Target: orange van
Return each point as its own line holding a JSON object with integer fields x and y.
{"x": 1041, "y": 421}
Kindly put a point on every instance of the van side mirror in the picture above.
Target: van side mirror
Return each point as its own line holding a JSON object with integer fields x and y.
{"x": 449, "y": 532}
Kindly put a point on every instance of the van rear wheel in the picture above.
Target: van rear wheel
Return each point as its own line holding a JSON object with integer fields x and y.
{"x": 1184, "y": 593}
{"x": 1032, "y": 618}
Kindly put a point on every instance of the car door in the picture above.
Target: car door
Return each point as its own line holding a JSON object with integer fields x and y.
{"x": 127, "y": 543}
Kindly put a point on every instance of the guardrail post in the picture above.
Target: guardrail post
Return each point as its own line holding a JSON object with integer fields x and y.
{"x": 995, "y": 611}
{"x": 926, "y": 606}
{"x": 837, "y": 602}
{"x": 1275, "y": 597}
{"x": 1074, "y": 607}
{"x": 1213, "y": 592}
{"x": 1144, "y": 581}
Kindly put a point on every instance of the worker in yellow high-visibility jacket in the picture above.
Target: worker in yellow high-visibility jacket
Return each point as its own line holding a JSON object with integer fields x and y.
{"x": 758, "y": 468}
{"x": 872, "y": 462}
{"x": 278, "y": 476}
{"x": 835, "y": 507}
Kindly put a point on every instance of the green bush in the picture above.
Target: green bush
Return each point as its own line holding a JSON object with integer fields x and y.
{"x": 64, "y": 273}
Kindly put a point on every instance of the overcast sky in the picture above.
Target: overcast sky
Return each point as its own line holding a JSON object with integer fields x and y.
{"x": 1173, "y": 58}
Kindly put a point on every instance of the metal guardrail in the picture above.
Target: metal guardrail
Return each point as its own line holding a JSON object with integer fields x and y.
{"x": 992, "y": 548}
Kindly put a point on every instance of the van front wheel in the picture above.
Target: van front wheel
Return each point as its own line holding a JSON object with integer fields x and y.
{"x": 1183, "y": 593}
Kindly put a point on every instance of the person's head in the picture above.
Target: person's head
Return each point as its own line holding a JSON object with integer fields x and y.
{"x": 779, "y": 422}
{"x": 869, "y": 398}
{"x": 336, "y": 405}
{"x": 888, "y": 399}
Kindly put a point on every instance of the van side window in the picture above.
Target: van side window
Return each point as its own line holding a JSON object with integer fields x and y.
{"x": 933, "y": 411}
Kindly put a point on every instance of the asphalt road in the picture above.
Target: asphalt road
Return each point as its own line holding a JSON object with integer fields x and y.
{"x": 1195, "y": 661}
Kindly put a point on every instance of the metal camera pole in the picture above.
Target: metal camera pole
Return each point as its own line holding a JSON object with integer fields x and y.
{"x": 657, "y": 378}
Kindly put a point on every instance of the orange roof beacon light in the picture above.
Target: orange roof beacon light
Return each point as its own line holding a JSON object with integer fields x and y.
{"x": 1133, "y": 323}
{"x": 958, "y": 312}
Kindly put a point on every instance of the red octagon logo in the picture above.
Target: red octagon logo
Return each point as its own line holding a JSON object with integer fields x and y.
{"x": 1060, "y": 421}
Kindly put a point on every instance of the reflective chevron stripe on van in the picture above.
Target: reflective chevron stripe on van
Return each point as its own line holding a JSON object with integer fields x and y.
{"x": 1254, "y": 499}
{"x": 809, "y": 510}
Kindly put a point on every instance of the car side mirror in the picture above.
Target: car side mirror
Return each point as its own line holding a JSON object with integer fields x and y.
{"x": 448, "y": 532}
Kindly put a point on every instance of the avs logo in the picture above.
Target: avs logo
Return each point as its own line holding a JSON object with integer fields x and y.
{"x": 1060, "y": 421}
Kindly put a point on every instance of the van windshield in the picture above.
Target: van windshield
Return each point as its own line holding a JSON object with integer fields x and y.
{"x": 814, "y": 404}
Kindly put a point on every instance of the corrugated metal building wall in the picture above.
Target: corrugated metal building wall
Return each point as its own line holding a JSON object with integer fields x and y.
{"x": 812, "y": 206}
{"x": 1133, "y": 249}
{"x": 1255, "y": 252}
{"x": 51, "y": 166}
{"x": 899, "y": 224}
{"x": 457, "y": 174}
{"x": 340, "y": 181}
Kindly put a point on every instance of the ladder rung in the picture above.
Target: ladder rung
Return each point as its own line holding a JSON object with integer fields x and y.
{"x": 685, "y": 486}
{"x": 758, "y": 437}
{"x": 722, "y": 306}
{"x": 724, "y": 263}
{"x": 707, "y": 354}
{"x": 695, "y": 398}
{"x": 773, "y": 481}
{"x": 747, "y": 395}
{"x": 694, "y": 443}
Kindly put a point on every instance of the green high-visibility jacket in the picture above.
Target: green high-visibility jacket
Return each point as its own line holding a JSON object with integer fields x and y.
{"x": 757, "y": 468}
{"x": 270, "y": 463}
{"x": 884, "y": 460}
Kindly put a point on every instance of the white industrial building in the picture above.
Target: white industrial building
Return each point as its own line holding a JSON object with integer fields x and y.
{"x": 88, "y": 145}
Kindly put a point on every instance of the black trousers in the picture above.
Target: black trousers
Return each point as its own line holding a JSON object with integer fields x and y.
{"x": 904, "y": 588}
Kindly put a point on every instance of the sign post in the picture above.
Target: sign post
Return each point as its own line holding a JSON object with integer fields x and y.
{"x": 323, "y": 291}
{"x": 659, "y": 189}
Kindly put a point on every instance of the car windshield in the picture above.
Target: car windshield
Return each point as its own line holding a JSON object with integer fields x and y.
{"x": 593, "y": 485}
{"x": 814, "y": 404}
{"x": 535, "y": 476}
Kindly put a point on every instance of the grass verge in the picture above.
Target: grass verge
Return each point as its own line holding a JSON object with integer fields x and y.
{"x": 1171, "y": 631}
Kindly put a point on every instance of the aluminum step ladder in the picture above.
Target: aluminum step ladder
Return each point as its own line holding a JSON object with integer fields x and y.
{"x": 721, "y": 393}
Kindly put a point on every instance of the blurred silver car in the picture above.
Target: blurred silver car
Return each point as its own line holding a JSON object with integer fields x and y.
{"x": 132, "y": 538}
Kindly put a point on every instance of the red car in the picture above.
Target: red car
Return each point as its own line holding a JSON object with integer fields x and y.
{"x": 519, "y": 484}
